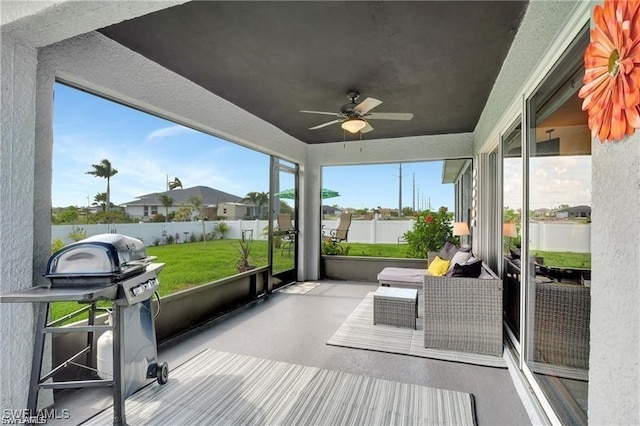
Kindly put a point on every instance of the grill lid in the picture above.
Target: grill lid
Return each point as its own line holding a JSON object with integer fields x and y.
{"x": 101, "y": 258}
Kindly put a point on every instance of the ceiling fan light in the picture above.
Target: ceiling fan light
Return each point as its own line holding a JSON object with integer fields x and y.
{"x": 354, "y": 125}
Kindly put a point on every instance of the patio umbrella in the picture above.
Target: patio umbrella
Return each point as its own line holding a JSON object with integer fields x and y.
{"x": 290, "y": 194}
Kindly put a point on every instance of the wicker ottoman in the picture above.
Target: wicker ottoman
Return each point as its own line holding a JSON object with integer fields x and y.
{"x": 395, "y": 306}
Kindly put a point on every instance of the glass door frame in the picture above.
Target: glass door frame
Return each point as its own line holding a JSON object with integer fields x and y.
{"x": 282, "y": 277}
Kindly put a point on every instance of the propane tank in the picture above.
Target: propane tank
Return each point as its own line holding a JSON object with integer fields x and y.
{"x": 104, "y": 355}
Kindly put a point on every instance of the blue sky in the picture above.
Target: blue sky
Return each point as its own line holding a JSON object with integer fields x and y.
{"x": 146, "y": 149}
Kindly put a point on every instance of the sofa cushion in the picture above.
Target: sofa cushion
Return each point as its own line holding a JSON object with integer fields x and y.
{"x": 459, "y": 258}
{"x": 448, "y": 250}
{"x": 401, "y": 275}
{"x": 470, "y": 270}
{"x": 438, "y": 267}
{"x": 515, "y": 253}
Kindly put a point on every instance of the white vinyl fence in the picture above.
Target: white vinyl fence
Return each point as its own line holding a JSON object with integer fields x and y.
{"x": 573, "y": 237}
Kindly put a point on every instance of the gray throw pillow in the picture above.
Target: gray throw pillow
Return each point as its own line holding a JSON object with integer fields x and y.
{"x": 448, "y": 250}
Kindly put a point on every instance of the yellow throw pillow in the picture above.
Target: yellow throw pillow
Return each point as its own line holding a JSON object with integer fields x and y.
{"x": 438, "y": 267}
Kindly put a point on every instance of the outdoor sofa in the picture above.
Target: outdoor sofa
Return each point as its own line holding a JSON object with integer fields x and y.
{"x": 460, "y": 313}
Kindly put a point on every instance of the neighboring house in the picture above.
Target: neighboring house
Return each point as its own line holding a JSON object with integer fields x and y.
{"x": 330, "y": 210}
{"x": 228, "y": 205}
{"x": 572, "y": 212}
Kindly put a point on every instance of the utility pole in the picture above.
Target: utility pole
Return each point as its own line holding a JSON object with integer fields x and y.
{"x": 414, "y": 192}
{"x": 418, "y": 196}
{"x": 400, "y": 192}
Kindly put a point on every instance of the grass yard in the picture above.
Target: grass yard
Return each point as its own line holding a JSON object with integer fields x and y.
{"x": 565, "y": 259}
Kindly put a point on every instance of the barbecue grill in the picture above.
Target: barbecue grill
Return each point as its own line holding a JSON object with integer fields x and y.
{"x": 109, "y": 267}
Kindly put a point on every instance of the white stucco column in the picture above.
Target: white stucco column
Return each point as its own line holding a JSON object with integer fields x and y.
{"x": 614, "y": 362}
{"x": 25, "y": 199}
{"x": 312, "y": 222}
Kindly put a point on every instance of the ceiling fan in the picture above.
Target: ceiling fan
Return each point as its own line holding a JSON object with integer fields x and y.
{"x": 354, "y": 116}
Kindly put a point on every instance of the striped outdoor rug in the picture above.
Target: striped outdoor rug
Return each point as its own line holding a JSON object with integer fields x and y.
{"x": 358, "y": 332}
{"x": 223, "y": 388}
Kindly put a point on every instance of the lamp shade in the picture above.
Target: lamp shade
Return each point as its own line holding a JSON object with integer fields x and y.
{"x": 354, "y": 125}
{"x": 460, "y": 228}
{"x": 509, "y": 230}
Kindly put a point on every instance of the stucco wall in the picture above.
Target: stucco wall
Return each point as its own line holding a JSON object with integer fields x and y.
{"x": 21, "y": 244}
{"x": 614, "y": 370}
{"x": 540, "y": 25}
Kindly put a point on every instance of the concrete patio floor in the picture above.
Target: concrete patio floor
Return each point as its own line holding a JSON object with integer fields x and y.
{"x": 295, "y": 328}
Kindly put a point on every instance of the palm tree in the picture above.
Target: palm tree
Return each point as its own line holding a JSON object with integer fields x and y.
{"x": 166, "y": 202}
{"x": 258, "y": 199}
{"x": 175, "y": 183}
{"x": 100, "y": 200}
{"x": 104, "y": 170}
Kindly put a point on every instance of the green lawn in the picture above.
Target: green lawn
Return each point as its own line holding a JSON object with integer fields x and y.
{"x": 566, "y": 259}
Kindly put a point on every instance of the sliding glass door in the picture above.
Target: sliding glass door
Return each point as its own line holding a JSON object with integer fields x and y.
{"x": 512, "y": 186}
{"x": 555, "y": 254}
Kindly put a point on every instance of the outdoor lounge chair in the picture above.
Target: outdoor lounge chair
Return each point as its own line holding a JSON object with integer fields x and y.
{"x": 286, "y": 231}
{"x": 340, "y": 233}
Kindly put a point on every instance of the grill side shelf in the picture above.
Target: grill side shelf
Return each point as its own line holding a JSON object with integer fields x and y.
{"x": 60, "y": 294}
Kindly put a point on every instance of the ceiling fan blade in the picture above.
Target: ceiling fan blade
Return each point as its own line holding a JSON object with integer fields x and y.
{"x": 322, "y": 112}
{"x": 366, "y": 128}
{"x": 389, "y": 116}
{"x": 319, "y": 126}
{"x": 367, "y": 105}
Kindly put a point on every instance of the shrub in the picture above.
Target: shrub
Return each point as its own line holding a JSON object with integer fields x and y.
{"x": 193, "y": 238}
{"x": 244, "y": 261}
{"x": 169, "y": 239}
{"x": 331, "y": 248}
{"x": 221, "y": 228}
{"x": 57, "y": 245}
{"x": 77, "y": 234}
{"x": 430, "y": 231}
{"x": 156, "y": 241}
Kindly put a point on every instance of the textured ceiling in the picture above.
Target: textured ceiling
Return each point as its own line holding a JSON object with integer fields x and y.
{"x": 437, "y": 60}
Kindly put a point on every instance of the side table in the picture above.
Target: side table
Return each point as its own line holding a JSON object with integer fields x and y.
{"x": 395, "y": 306}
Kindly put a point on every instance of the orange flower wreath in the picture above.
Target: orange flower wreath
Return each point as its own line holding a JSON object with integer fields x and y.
{"x": 611, "y": 90}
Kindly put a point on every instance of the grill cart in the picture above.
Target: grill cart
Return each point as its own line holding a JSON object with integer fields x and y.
{"x": 107, "y": 267}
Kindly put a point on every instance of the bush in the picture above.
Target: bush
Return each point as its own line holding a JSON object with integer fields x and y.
{"x": 336, "y": 249}
{"x": 169, "y": 239}
{"x": 156, "y": 241}
{"x": 57, "y": 245}
{"x": 430, "y": 231}
{"x": 221, "y": 228}
{"x": 77, "y": 234}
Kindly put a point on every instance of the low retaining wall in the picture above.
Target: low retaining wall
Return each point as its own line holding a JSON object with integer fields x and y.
{"x": 359, "y": 268}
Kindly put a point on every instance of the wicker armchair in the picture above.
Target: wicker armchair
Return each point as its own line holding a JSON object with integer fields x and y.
{"x": 463, "y": 314}
{"x": 562, "y": 316}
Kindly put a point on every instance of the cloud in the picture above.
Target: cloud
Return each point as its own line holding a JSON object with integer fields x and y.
{"x": 167, "y": 132}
